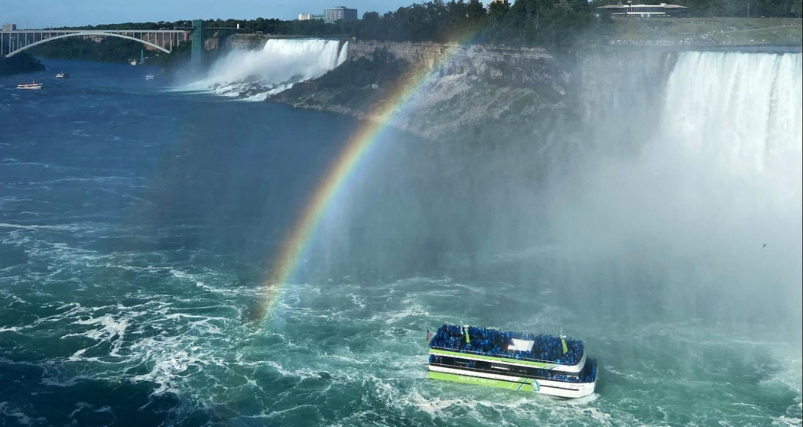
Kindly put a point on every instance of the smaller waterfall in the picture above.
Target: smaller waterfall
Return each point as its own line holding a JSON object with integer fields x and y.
{"x": 255, "y": 74}
{"x": 344, "y": 53}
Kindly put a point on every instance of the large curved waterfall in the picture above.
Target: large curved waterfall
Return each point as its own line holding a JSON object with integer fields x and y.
{"x": 253, "y": 74}
{"x": 711, "y": 203}
{"x": 730, "y": 141}
{"x": 741, "y": 111}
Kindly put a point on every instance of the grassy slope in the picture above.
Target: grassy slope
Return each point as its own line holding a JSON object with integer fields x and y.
{"x": 707, "y": 31}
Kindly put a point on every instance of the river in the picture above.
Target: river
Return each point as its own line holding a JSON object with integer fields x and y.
{"x": 138, "y": 224}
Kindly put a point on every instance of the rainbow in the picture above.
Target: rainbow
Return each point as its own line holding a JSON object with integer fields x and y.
{"x": 336, "y": 176}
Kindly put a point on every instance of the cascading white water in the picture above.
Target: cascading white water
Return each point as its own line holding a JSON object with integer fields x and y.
{"x": 254, "y": 74}
{"x": 740, "y": 111}
{"x": 730, "y": 140}
{"x": 713, "y": 201}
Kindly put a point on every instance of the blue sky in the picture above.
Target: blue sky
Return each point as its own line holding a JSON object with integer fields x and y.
{"x": 41, "y": 13}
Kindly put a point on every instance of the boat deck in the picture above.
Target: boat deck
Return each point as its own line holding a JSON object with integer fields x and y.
{"x": 517, "y": 346}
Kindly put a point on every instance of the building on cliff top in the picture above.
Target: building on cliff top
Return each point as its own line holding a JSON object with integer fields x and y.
{"x": 644, "y": 10}
{"x": 308, "y": 17}
{"x": 337, "y": 13}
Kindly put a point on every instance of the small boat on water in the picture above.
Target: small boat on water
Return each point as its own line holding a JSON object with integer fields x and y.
{"x": 150, "y": 77}
{"x": 30, "y": 86}
{"x": 62, "y": 75}
{"x": 557, "y": 366}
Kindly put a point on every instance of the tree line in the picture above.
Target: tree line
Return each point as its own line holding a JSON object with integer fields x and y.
{"x": 541, "y": 22}
{"x": 108, "y": 49}
{"x": 20, "y": 63}
{"x": 553, "y": 24}
{"x": 550, "y": 23}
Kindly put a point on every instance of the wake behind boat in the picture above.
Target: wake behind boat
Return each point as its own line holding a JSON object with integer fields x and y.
{"x": 30, "y": 86}
{"x": 556, "y": 366}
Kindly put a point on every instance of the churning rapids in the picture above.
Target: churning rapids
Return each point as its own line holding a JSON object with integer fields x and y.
{"x": 138, "y": 223}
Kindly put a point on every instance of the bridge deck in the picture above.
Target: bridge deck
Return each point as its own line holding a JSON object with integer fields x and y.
{"x": 16, "y": 41}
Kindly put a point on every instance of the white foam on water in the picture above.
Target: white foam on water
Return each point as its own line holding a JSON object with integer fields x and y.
{"x": 37, "y": 227}
{"x": 20, "y": 417}
{"x": 413, "y": 310}
{"x": 108, "y": 330}
{"x": 357, "y": 300}
{"x": 169, "y": 357}
{"x": 790, "y": 378}
{"x": 486, "y": 406}
{"x": 301, "y": 373}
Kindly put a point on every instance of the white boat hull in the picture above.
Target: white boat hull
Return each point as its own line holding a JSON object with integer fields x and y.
{"x": 511, "y": 382}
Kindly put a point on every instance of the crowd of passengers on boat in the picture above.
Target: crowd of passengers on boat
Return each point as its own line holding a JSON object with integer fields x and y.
{"x": 493, "y": 342}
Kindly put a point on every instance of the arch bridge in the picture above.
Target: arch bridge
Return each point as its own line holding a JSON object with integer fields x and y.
{"x": 15, "y": 41}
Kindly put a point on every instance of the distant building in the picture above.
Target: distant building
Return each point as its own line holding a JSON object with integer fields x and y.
{"x": 644, "y": 10}
{"x": 504, "y": 2}
{"x": 308, "y": 17}
{"x": 95, "y": 39}
{"x": 9, "y": 27}
{"x": 338, "y": 13}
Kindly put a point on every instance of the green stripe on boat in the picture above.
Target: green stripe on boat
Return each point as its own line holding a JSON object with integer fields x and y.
{"x": 480, "y": 381}
{"x": 491, "y": 358}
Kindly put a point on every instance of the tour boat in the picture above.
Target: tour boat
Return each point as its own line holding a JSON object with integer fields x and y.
{"x": 545, "y": 364}
{"x": 62, "y": 75}
{"x": 29, "y": 86}
{"x": 150, "y": 77}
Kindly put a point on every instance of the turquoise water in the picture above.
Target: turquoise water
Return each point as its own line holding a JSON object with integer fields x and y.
{"x": 138, "y": 223}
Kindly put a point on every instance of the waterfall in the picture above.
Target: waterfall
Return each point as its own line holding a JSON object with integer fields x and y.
{"x": 740, "y": 111}
{"x": 344, "y": 53}
{"x": 729, "y": 153}
{"x": 709, "y": 208}
{"x": 254, "y": 74}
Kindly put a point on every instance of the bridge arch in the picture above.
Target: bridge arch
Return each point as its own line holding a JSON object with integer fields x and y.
{"x": 84, "y": 33}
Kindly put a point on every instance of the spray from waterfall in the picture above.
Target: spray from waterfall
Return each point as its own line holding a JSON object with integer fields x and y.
{"x": 255, "y": 74}
{"x": 707, "y": 218}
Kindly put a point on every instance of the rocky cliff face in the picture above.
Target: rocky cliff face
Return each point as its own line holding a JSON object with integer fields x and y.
{"x": 245, "y": 41}
{"x": 520, "y": 66}
{"x": 484, "y": 90}
{"x": 462, "y": 89}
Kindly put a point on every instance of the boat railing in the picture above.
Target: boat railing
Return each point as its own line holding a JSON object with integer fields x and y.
{"x": 500, "y": 355}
